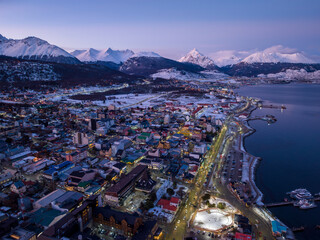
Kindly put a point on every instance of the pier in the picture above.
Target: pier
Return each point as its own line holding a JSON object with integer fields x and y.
{"x": 280, "y": 204}
{"x": 273, "y": 106}
{"x": 268, "y": 118}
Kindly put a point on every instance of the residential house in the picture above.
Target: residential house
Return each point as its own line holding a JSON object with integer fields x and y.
{"x": 18, "y": 187}
{"x": 77, "y": 156}
{"x": 169, "y": 206}
{"x": 77, "y": 177}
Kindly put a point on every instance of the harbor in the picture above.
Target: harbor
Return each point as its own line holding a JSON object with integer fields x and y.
{"x": 285, "y": 161}
{"x": 302, "y": 198}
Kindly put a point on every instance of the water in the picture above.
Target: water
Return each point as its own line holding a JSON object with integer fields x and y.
{"x": 290, "y": 149}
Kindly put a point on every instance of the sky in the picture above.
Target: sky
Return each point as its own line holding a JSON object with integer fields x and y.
{"x": 168, "y": 27}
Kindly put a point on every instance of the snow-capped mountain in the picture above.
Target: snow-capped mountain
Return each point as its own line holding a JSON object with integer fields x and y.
{"x": 278, "y": 54}
{"x": 273, "y": 54}
{"x": 229, "y": 57}
{"x": 36, "y": 49}
{"x": 2, "y": 38}
{"x": 145, "y": 54}
{"x": 195, "y": 57}
{"x": 106, "y": 55}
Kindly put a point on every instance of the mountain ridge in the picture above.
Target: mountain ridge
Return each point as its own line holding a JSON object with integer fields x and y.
{"x": 35, "y": 48}
{"x": 195, "y": 57}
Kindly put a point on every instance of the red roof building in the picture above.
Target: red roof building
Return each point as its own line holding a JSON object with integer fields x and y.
{"x": 169, "y": 205}
{"x": 242, "y": 236}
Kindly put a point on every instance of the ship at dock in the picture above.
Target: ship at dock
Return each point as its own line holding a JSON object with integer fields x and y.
{"x": 305, "y": 204}
{"x": 304, "y": 199}
{"x": 300, "y": 193}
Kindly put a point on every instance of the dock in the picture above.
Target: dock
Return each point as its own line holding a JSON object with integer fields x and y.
{"x": 273, "y": 106}
{"x": 280, "y": 204}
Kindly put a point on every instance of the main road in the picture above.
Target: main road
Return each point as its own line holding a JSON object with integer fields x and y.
{"x": 177, "y": 230}
{"x": 260, "y": 222}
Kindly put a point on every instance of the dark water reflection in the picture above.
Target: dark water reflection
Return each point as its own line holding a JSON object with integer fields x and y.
{"x": 290, "y": 149}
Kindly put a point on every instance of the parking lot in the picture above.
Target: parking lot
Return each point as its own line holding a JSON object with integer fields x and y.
{"x": 232, "y": 171}
{"x": 203, "y": 235}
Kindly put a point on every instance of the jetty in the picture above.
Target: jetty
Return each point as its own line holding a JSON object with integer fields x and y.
{"x": 298, "y": 229}
{"x": 286, "y": 203}
{"x": 273, "y": 106}
{"x": 268, "y": 118}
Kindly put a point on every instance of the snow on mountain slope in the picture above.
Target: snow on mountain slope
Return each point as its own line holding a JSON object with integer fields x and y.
{"x": 173, "y": 73}
{"x": 106, "y": 55}
{"x": 291, "y": 74}
{"x": 278, "y": 54}
{"x": 145, "y": 54}
{"x": 89, "y": 55}
{"x": 34, "y": 48}
{"x": 2, "y": 38}
{"x": 195, "y": 57}
{"x": 228, "y": 57}
{"x": 214, "y": 74}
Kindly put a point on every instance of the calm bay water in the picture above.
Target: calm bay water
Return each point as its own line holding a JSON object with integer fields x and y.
{"x": 290, "y": 150}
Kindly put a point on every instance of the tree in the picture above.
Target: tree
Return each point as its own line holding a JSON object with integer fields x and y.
{"x": 170, "y": 191}
{"x": 221, "y": 205}
{"x": 206, "y": 197}
{"x": 153, "y": 196}
{"x": 174, "y": 185}
{"x": 93, "y": 151}
{"x": 180, "y": 192}
{"x": 190, "y": 146}
{"x": 211, "y": 205}
{"x": 149, "y": 204}
{"x": 108, "y": 178}
{"x": 25, "y": 138}
{"x": 9, "y": 140}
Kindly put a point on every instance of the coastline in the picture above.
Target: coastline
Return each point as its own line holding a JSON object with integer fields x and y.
{"x": 254, "y": 162}
{"x": 252, "y": 170}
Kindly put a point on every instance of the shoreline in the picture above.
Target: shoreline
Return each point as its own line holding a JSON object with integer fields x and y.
{"x": 252, "y": 171}
{"x": 254, "y": 162}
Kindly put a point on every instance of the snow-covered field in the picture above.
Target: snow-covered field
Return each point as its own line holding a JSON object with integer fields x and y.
{"x": 63, "y": 95}
{"x": 173, "y": 73}
{"x": 132, "y": 100}
{"x": 184, "y": 100}
{"x": 147, "y": 100}
{"x": 290, "y": 74}
{"x": 212, "y": 219}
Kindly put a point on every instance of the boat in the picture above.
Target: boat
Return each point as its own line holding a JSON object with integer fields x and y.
{"x": 308, "y": 205}
{"x": 300, "y": 194}
{"x": 298, "y": 203}
{"x": 298, "y": 229}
